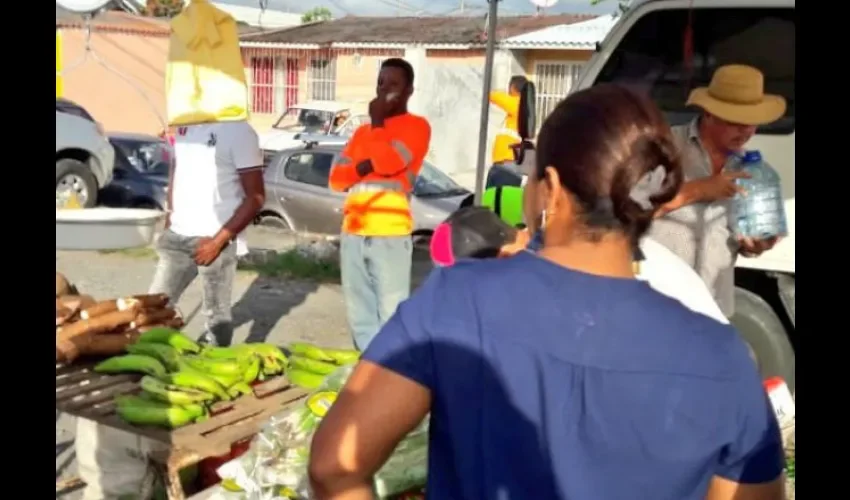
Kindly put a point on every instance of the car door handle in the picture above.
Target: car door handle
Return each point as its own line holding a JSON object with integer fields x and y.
{"x": 338, "y": 210}
{"x": 282, "y": 198}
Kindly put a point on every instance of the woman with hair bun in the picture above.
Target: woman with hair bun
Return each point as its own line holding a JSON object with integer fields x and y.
{"x": 557, "y": 374}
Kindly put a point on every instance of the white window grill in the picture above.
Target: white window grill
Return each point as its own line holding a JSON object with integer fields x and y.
{"x": 272, "y": 80}
{"x": 321, "y": 76}
{"x": 554, "y": 81}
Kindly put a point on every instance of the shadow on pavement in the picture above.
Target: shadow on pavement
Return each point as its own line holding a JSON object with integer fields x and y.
{"x": 421, "y": 267}
{"x": 266, "y": 301}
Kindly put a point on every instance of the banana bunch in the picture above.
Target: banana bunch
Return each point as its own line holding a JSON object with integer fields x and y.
{"x": 309, "y": 364}
{"x": 182, "y": 379}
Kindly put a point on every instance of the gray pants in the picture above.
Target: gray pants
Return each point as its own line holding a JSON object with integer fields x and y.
{"x": 176, "y": 269}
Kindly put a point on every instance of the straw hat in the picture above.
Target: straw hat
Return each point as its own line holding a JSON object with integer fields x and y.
{"x": 736, "y": 94}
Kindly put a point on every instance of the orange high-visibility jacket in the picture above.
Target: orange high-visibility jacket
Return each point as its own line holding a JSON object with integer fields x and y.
{"x": 378, "y": 204}
{"x": 508, "y": 135}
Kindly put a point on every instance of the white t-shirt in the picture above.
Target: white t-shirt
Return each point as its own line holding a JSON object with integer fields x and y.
{"x": 207, "y": 189}
{"x": 670, "y": 275}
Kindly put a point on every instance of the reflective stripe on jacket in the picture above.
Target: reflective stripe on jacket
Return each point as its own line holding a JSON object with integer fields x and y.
{"x": 378, "y": 204}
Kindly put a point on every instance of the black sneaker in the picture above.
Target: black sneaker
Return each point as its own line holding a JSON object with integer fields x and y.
{"x": 208, "y": 339}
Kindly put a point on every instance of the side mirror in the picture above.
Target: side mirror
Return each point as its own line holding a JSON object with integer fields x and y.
{"x": 527, "y": 119}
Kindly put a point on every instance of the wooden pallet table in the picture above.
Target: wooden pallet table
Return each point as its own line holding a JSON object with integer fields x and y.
{"x": 85, "y": 394}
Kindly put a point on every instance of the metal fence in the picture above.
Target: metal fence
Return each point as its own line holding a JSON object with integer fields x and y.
{"x": 273, "y": 78}
{"x": 281, "y": 77}
{"x": 321, "y": 76}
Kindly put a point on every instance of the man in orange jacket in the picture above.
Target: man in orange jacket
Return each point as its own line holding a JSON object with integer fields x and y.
{"x": 378, "y": 168}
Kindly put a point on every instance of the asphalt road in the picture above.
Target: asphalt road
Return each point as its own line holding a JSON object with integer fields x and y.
{"x": 265, "y": 309}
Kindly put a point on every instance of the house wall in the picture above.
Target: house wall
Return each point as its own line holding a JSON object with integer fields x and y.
{"x": 138, "y": 106}
{"x": 447, "y": 91}
{"x": 355, "y": 78}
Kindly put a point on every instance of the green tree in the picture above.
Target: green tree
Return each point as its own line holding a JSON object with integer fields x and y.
{"x": 163, "y": 8}
{"x": 317, "y": 14}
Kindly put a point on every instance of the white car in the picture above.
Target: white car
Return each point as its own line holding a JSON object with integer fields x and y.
{"x": 314, "y": 118}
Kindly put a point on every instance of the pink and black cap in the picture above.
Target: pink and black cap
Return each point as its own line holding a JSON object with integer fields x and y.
{"x": 470, "y": 233}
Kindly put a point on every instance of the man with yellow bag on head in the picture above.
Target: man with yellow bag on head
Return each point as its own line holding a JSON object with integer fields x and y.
{"x": 215, "y": 190}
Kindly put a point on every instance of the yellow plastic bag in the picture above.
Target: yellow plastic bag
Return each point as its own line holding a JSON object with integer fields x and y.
{"x": 204, "y": 77}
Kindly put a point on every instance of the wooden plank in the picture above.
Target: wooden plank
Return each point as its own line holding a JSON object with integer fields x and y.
{"x": 103, "y": 408}
{"x": 86, "y": 394}
{"x": 271, "y": 386}
{"x": 247, "y": 405}
{"x": 64, "y": 369}
{"x": 215, "y": 438}
{"x": 92, "y": 385}
{"x": 108, "y": 394}
{"x": 250, "y": 426}
{"x": 262, "y": 390}
{"x": 72, "y": 378}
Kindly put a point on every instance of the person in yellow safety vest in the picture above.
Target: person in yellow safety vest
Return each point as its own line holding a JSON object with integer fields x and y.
{"x": 378, "y": 168}
{"x": 503, "y": 169}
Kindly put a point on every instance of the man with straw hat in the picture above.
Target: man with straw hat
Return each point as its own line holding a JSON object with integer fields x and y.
{"x": 695, "y": 225}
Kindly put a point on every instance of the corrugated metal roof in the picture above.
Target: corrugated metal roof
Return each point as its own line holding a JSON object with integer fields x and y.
{"x": 383, "y": 31}
{"x": 268, "y": 18}
{"x": 114, "y": 21}
{"x": 583, "y": 35}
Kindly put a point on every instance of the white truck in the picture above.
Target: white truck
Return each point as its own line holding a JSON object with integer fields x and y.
{"x": 645, "y": 50}
{"x": 313, "y": 118}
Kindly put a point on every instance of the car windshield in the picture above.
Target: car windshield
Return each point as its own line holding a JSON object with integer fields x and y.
{"x": 431, "y": 182}
{"x": 305, "y": 120}
{"x": 150, "y": 157}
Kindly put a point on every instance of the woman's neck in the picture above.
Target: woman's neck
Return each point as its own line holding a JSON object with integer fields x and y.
{"x": 610, "y": 257}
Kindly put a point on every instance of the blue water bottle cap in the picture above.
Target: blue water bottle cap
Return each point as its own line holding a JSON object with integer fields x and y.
{"x": 752, "y": 157}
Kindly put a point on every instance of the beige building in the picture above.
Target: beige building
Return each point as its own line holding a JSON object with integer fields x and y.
{"x": 339, "y": 60}
{"x": 115, "y": 68}
{"x": 554, "y": 57}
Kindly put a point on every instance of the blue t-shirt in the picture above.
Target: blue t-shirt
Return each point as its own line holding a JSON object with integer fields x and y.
{"x": 549, "y": 383}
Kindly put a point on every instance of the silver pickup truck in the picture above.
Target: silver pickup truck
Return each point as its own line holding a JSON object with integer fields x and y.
{"x": 84, "y": 156}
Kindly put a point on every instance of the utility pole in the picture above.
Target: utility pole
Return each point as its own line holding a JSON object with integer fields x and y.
{"x": 485, "y": 99}
{"x": 462, "y": 6}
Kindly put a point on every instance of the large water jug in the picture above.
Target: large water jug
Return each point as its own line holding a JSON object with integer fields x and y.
{"x": 759, "y": 212}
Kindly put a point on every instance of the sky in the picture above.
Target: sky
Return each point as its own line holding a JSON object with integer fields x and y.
{"x": 427, "y": 7}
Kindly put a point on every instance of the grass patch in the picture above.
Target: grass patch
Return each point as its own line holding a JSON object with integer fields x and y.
{"x": 139, "y": 253}
{"x": 290, "y": 264}
{"x": 294, "y": 265}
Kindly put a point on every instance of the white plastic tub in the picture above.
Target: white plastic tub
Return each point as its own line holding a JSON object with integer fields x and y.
{"x": 105, "y": 228}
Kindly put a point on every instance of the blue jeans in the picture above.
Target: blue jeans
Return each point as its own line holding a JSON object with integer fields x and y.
{"x": 375, "y": 280}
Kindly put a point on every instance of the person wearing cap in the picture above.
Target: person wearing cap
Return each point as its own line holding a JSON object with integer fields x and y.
{"x": 695, "y": 224}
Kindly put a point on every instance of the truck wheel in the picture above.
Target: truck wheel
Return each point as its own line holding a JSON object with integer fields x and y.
{"x": 75, "y": 178}
{"x": 763, "y": 332}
